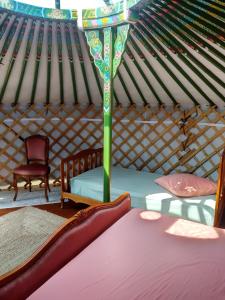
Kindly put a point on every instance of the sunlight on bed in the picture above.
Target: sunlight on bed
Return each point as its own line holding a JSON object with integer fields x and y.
{"x": 157, "y": 198}
{"x": 184, "y": 228}
{"x": 198, "y": 209}
{"x": 150, "y": 215}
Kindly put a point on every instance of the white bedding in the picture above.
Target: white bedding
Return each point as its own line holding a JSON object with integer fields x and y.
{"x": 144, "y": 193}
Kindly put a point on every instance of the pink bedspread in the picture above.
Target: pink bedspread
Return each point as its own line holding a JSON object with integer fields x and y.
{"x": 145, "y": 256}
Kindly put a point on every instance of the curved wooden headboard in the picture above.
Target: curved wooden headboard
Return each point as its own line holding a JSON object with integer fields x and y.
{"x": 63, "y": 245}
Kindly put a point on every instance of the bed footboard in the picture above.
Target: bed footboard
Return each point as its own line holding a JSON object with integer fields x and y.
{"x": 73, "y": 166}
{"x": 63, "y": 245}
{"x": 220, "y": 195}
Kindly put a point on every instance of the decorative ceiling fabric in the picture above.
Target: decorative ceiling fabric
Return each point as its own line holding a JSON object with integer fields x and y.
{"x": 175, "y": 54}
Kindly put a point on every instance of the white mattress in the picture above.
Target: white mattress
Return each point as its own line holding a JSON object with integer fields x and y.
{"x": 144, "y": 193}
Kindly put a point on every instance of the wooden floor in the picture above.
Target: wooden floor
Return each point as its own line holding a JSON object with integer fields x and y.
{"x": 68, "y": 211}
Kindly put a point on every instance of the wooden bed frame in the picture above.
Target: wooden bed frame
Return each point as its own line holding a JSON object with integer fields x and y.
{"x": 220, "y": 195}
{"x": 63, "y": 245}
{"x": 92, "y": 158}
{"x": 74, "y": 165}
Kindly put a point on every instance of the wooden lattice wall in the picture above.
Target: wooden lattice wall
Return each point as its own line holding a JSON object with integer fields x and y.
{"x": 163, "y": 140}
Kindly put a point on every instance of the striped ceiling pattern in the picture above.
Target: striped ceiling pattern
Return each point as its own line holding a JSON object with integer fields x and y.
{"x": 175, "y": 54}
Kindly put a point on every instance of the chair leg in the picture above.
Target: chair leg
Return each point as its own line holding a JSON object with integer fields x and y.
{"x": 29, "y": 184}
{"x": 15, "y": 186}
{"x": 46, "y": 187}
{"x": 26, "y": 184}
{"x": 62, "y": 202}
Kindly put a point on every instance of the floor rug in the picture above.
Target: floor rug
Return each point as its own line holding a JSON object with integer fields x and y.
{"x": 26, "y": 198}
{"x": 22, "y": 232}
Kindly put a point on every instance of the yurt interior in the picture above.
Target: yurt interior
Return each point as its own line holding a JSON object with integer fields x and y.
{"x": 112, "y": 149}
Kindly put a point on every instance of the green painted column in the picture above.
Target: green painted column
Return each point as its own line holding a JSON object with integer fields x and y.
{"x": 107, "y": 107}
{"x": 113, "y": 22}
{"x": 114, "y": 46}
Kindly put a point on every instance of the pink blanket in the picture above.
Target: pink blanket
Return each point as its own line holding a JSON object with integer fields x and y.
{"x": 145, "y": 256}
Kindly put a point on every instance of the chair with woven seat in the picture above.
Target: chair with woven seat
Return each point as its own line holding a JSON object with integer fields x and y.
{"x": 37, "y": 149}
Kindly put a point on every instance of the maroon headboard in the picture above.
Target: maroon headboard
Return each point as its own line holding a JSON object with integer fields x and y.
{"x": 73, "y": 236}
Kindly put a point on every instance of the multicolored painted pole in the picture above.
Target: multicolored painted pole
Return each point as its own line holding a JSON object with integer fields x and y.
{"x": 114, "y": 45}
{"x": 107, "y": 106}
{"x": 113, "y": 22}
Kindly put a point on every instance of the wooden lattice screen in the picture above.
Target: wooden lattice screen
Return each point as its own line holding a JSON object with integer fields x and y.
{"x": 163, "y": 140}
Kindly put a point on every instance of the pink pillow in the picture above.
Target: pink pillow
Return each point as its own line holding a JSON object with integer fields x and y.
{"x": 187, "y": 185}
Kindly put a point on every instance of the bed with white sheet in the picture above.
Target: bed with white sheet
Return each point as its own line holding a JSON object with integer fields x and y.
{"x": 145, "y": 193}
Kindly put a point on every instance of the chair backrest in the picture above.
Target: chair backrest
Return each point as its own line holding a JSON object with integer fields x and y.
{"x": 37, "y": 148}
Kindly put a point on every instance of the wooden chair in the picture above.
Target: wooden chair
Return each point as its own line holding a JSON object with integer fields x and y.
{"x": 37, "y": 149}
